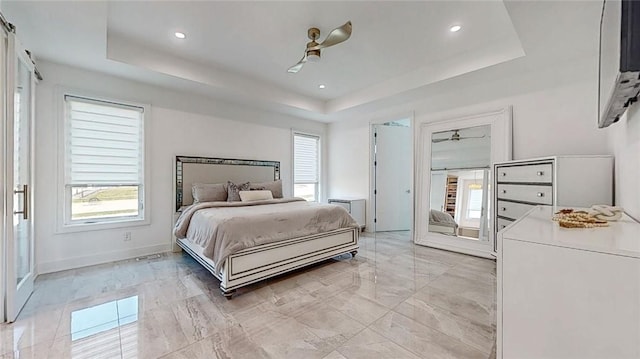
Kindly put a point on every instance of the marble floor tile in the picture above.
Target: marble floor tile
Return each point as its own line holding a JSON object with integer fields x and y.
{"x": 51, "y": 290}
{"x": 281, "y": 336}
{"x": 359, "y": 308}
{"x": 199, "y": 318}
{"x": 479, "y": 336}
{"x": 103, "y": 344}
{"x": 335, "y": 355}
{"x": 31, "y": 328}
{"x": 388, "y": 292}
{"x": 151, "y": 334}
{"x": 229, "y": 343}
{"x": 482, "y": 293}
{"x": 460, "y": 306}
{"x": 421, "y": 339}
{"x": 393, "y": 300}
{"x": 473, "y": 273}
{"x": 369, "y": 344}
{"x": 165, "y": 291}
{"x": 439, "y": 255}
{"x": 329, "y": 324}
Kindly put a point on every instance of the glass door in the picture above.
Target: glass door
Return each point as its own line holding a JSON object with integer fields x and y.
{"x": 19, "y": 238}
{"x": 4, "y": 190}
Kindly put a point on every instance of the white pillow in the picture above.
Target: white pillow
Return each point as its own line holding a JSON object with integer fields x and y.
{"x": 248, "y": 196}
{"x": 209, "y": 192}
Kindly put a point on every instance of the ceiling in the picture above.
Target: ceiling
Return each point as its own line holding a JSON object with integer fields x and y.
{"x": 239, "y": 51}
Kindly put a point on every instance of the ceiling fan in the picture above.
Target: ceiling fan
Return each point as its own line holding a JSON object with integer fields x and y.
{"x": 312, "y": 52}
{"x": 454, "y": 137}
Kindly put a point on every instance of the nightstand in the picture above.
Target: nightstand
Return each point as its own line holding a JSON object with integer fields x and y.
{"x": 355, "y": 207}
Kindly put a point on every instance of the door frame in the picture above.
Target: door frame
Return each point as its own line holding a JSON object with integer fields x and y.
{"x": 371, "y": 207}
{"x": 4, "y": 38}
{"x": 16, "y": 53}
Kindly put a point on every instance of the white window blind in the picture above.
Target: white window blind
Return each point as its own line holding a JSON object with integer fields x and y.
{"x": 306, "y": 158}
{"x": 474, "y": 205}
{"x": 104, "y": 144}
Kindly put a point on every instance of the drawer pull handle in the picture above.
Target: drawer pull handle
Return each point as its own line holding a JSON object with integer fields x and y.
{"x": 504, "y": 191}
{"x": 540, "y": 194}
{"x": 504, "y": 174}
{"x": 540, "y": 173}
{"x": 503, "y": 208}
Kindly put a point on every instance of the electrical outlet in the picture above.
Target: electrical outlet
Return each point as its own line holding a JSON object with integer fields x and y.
{"x": 127, "y": 236}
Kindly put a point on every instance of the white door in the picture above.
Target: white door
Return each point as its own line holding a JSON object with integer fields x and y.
{"x": 392, "y": 186}
{"x": 18, "y": 168}
{"x": 4, "y": 189}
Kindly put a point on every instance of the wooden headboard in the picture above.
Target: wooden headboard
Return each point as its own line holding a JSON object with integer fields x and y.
{"x": 190, "y": 170}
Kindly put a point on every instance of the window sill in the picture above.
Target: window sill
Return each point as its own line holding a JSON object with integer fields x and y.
{"x": 100, "y": 226}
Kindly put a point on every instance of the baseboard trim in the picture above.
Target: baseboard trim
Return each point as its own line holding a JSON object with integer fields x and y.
{"x": 100, "y": 258}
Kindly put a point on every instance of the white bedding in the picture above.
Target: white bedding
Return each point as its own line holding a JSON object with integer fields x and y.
{"x": 222, "y": 228}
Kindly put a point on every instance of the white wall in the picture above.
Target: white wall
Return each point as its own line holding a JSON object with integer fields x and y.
{"x": 624, "y": 141}
{"x": 554, "y": 113}
{"x": 179, "y": 124}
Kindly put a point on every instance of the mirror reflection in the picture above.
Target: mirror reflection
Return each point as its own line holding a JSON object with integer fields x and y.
{"x": 459, "y": 193}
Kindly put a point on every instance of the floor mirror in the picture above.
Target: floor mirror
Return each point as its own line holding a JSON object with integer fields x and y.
{"x": 455, "y": 159}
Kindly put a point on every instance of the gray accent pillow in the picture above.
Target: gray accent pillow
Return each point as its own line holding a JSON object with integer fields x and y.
{"x": 274, "y": 186}
{"x": 233, "y": 191}
{"x": 209, "y": 192}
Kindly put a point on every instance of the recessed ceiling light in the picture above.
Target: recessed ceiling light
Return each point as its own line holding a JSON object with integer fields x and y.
{"x": 455, "y": 28}
{"x": 321, "y": 86}
{"x": 180, "y": 35}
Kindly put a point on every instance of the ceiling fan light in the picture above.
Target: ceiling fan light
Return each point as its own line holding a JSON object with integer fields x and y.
{"x": 313, "y": 55}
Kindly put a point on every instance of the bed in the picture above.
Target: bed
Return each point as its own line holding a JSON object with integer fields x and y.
{"x": 241, "y": 243}
{"x": 442, "y": 222}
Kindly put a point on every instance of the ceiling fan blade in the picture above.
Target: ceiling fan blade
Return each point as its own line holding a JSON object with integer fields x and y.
{"x": 465, "y": 138}
{"x": 438, "y": 140}
{"x": 295, "y": 68}
{"x": 336, "y": 36}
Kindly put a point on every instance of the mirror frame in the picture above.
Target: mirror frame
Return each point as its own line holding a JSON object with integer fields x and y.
{"x": 501, "y": 150}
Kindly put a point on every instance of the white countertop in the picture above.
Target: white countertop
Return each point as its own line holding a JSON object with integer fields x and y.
{"x": 620, "y": 238}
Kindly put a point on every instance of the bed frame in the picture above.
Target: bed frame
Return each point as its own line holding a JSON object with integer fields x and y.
{"x": 261, "y": 262}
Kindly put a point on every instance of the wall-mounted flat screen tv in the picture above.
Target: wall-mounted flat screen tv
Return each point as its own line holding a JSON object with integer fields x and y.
{"x": 619, "y": 84}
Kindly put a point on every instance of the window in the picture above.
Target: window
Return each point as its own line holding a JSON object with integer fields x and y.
{"x": 474, "y": 203}
{"x": 103, "y": 161}
{"x": 306, "y": 163}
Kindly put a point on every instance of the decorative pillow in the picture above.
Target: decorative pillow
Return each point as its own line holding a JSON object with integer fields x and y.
{"x": 255, "y": 195}
{"x": 233, "y": 190}
{"x": 274, "y": 186}
{"x": 208, "y": 192}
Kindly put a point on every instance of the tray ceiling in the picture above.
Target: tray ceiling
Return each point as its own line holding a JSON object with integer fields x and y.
{"x": 240, "y": 51}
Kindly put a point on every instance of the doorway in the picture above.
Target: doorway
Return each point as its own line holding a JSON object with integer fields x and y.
{"x": 18, "y": 92}
{"x": 392, "y": 176}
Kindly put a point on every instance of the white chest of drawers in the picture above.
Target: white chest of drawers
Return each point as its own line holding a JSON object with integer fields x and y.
{"x": 579, "y": 181}
{"x": 568, "y": 293}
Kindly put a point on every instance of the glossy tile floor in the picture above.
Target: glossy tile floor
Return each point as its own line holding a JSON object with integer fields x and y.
{"x": 393, "y": 300}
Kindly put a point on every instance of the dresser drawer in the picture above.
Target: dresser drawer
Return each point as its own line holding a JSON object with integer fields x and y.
{"x": 512, "y": 210}
{"x": 540, "y": 173}
{"x": 526, "y": 193}
{"x": 502, "y": 224}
